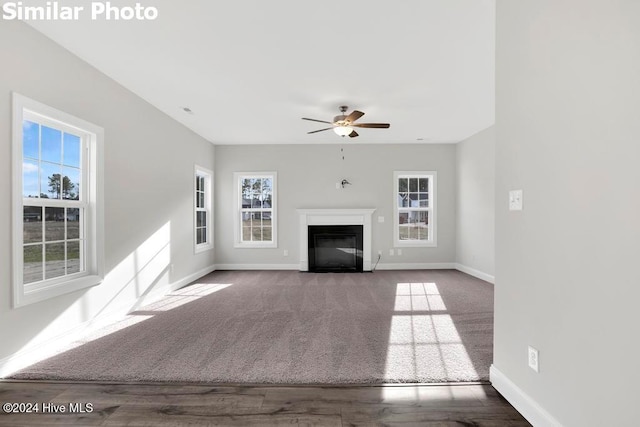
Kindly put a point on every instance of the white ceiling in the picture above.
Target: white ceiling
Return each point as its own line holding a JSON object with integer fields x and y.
{"x": 250, "y": 69}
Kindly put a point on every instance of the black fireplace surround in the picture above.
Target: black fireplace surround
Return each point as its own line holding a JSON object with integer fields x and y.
{"x": 335, "y": 248}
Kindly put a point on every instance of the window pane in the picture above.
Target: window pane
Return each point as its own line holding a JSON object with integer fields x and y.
{"x": 266, "y": 234}
{"x": 256, "y": 232}
{"x": 30, "y": 139}
{"x": 403, "y": 185}
{"x": 403, "y": 225}
{"x": 413, "y": 185}
{"x": 267, "y": 187}
{"x": 414, "y": 225}
{"x": 256, "y": 185}
{"x": 246, "y": 188}
{"x": 32, "y": 224}
{"x": 246, "y": 234}
{"x": 267, "y": 193}
{"x": 51, "y": 145}
{"x": 424, "y": 200}
{"x": 71, "y": 150}
{"x": 30, "y": 184}
{"x": 50, "y": 181}
{"x": 413, "y": 200}
{"x": 73, "y": 223}
{"x": 71, "y": 184}
{"x": 198, "y": 188}
{"x": 201, "y": 219}
{"x": 256, "y": 202}
{"x": 73, "y": 258}
{"x": 54, "y": 224}
{"x": 201, "y": 235}
{"x": 266, "y": 218}
{"x": 32, "y": 265}
{"x": 424, "y": 185}
{"x": 403, "y": 200}
{"x": 54, "y": 265}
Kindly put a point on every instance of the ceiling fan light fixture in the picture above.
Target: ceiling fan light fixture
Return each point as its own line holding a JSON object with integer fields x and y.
{"x": 343, "y": 130}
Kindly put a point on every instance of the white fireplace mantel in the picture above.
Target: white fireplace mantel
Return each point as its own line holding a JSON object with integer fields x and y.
{"x": 335, "y": 217}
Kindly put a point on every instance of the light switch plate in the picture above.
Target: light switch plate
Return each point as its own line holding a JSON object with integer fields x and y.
{"x": 380, "y": 219}
{"x": 515, "y": 200}
{"x": 534, "y": 362}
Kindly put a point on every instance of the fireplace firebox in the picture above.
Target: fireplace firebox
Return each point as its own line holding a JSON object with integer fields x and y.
{"x": 335, "y": 248}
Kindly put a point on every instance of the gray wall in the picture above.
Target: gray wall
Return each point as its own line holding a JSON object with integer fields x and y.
{"x": 149, "y": 167}
{"x": 306, "y": 179}
{"x": 475, "y": 225}
{"x": 568, "y": 134}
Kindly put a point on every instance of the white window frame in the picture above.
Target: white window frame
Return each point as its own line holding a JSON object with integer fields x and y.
{"x": 432, "y": 209}
{"x": 237, "y": 180}
{"x": 93, "y": 227}
{"x": 208, "y": 208}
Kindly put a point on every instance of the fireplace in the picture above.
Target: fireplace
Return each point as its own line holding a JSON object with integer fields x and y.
{"x": 347, "y": 249}
{"x": 335, "y": 248}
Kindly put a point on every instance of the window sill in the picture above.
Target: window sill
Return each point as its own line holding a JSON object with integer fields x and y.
{"x": 31, "y": 296}
{"x": 203, "y": 248}
{"x": 255, "y": 245}
{"x": 412, "y": 244}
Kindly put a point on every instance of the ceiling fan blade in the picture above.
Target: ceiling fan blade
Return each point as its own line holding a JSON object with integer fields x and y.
{"x": 353, "y": 134}
{"x": 354, "y": 116}
{"x": 371, "y": 125}
{"x": 319, "y": 130}
{"x": 314, "y": 120}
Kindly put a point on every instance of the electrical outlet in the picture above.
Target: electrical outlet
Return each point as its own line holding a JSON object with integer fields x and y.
{"x": 399, "y": 252}
{"x": 515, "y": 200}
{"x": 534, "y": 362}
{"x": 390, "y": 252}
{"x": 380, "y": 219}
{"x": 286, "y": 252}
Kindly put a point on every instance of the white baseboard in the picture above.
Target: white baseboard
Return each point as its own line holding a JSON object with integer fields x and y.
{"x": 257, "y": 266}
{"x": 417, "y": 266}
{"x": 529, "y": 408}
{"x": 383, "y": 266}
{"x": 475, "y": 273}
{"x": 35, "y": 353}
{"x": 190, "y": 278}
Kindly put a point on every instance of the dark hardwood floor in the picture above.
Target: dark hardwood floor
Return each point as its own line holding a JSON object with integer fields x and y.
{"x": 239, "y": 405}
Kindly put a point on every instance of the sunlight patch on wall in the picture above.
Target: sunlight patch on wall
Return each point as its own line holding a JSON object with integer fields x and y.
{"x": 145, "y": 268}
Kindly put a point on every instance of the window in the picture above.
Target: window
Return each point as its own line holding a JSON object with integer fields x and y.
{"x": 202, "y": 212}
{"x": 414, "y": 201}
{"x": 57, "y": 219}
{"x": 256, "y": 210}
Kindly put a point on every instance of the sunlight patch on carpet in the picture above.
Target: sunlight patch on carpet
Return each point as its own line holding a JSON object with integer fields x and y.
{"x": 185, "y": 295}
{"x": 422, "y": 337}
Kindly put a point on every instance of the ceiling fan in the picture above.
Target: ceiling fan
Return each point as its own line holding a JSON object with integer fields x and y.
{"x": 343, "y": 124}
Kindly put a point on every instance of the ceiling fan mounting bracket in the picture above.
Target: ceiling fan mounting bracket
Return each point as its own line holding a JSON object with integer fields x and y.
{"x": 343, "y": 109}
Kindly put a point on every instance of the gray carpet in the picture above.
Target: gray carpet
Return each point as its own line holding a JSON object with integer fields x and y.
{"x": 292, "y": 327}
